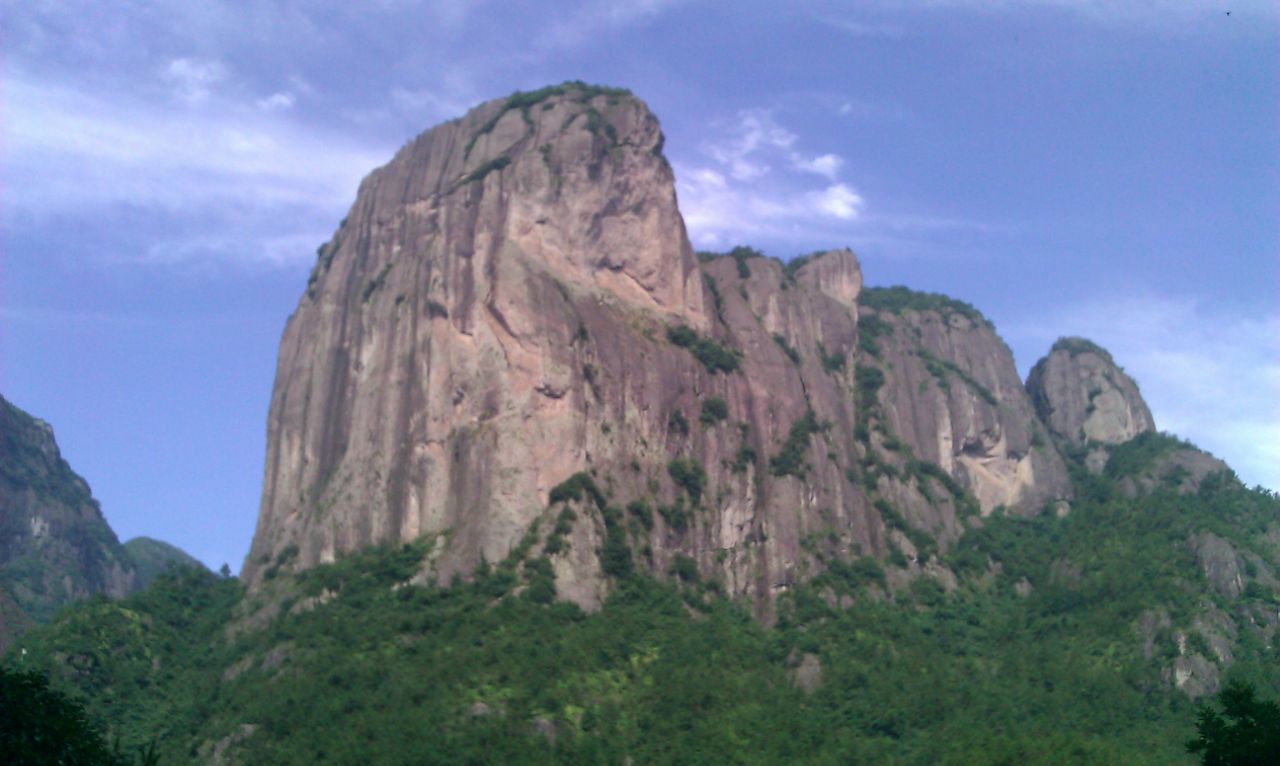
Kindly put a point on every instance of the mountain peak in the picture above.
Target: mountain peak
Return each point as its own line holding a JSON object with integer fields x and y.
{"x": 55, "y": 545}
{"x": 568, "y": 179}
{"x": 511, "y": 322}
{"x": 1084, "y": 397}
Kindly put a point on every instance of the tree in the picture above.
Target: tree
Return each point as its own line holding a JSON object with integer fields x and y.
{"x": 1246, "y": 733}
{"x": 41, "y": 726}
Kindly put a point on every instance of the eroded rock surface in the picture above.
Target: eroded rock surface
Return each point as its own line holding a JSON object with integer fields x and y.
{"x": 952, "y": 395}
{"x": 511, "y": 322}
{"x": 496, "y": 314}
{"x": 1084, "y": 397}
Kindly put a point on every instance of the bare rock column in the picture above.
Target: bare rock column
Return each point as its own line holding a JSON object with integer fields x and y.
{"x": 1086, "y": 400}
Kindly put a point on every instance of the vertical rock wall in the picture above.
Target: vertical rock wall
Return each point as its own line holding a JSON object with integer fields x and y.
{"x": 513, "y": 304}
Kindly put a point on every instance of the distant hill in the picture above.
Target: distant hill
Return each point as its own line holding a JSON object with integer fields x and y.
{"x": 55, "y": 545}
{"x": 151, "y": 557}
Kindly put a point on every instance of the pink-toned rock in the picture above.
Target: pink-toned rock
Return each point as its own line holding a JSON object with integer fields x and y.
{"x": 1085, "y": 398}
{"x": 953, "y": 397}
{"x": 513, "y": 300}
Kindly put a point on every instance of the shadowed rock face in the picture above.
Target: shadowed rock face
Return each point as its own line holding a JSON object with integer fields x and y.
{"x": 1084, "y": 396}
{"x": 513, "y": 300}
{"x": 55, "y": 546}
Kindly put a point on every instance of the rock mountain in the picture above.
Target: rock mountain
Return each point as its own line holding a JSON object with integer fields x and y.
{"x": 55, "y": 545}
{"x": 509, "y": 341}
{"x": 510, "y": 359}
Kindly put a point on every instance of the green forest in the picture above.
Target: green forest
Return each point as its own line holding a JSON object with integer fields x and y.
{"x": 1047, "y": 652}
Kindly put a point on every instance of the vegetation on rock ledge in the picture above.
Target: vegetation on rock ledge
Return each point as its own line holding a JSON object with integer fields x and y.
{"x": 712, "y": 355}
{"x": 898, "y": 299}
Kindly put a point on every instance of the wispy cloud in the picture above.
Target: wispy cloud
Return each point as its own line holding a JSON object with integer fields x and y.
{"x": 745, "y": 150}
{"x": 581, "y": 24}
{"x": 275, "y": 101}
{"x": 838, "y": 201}
{"x": 855, "y": 109}
{"x": 824, "y": 165}
{"x": 194, "y": 79}
{"x": 451, "y": 93}
{"x": 72, "y": 153}
{"x": 1209, "y": 375}
{"x": 754, "y": 180}
{"x": 1147, "y": 12}
{"x": 860, "y": 28}
{"x": 262, "y": 246}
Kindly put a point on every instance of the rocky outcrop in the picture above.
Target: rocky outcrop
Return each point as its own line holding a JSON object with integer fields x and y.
{"x": 1095, "y": 412}
{"x": 1085, "y": 398}
{"x": 1221, "y": 563}
{"x": 439, "y": 360}
{"x": 509, "y": 345}
{"x": 1179, "y": 466}
{"x": 513, "y": 300}
{"x": 55, "y": 546}
{"x": 952, "y": 397}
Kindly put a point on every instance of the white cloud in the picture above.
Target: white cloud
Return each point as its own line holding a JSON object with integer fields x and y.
{"x": 431, "y": 104}
{"x": 824, "y": 165}
{"x": 742, "y": 152}
{"x": 301, "y": 85}
{"x": 859, "y": 110}
{"x": 260, "y": 248}
{"x": 710, "y": 179}
{"x": 758, "y": 184}
{"x": 756, "y": 141}
{"x": 277, "y": 101}
{"x": 838, "y": 201}
{"x": 64, "y": 144}
{"x": 718, "y": 212}
{"x": 193, "y": 79}
{"x": 1209, "y": 375}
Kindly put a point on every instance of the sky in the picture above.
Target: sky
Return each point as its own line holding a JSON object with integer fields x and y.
{"x": 1070, "y": 167}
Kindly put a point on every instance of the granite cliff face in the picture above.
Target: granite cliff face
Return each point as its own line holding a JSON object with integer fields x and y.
{"x": 952, "y": 395}
{"x": 55, "y": 546}
{"x": 1095, "y": 412}
{"x": 511, "y": 322}
{"x": 1084, "y": 396}
{"x": 444, "y": 369}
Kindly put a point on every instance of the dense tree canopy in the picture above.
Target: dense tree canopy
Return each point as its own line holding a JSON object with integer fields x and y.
{"x": 1055, "y": 645}
{"x": 1245, "y": 733}
{"x": 43, "y": 727}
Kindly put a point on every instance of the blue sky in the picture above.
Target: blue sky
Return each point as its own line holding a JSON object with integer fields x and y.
{"x": 1068, "y": 166}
